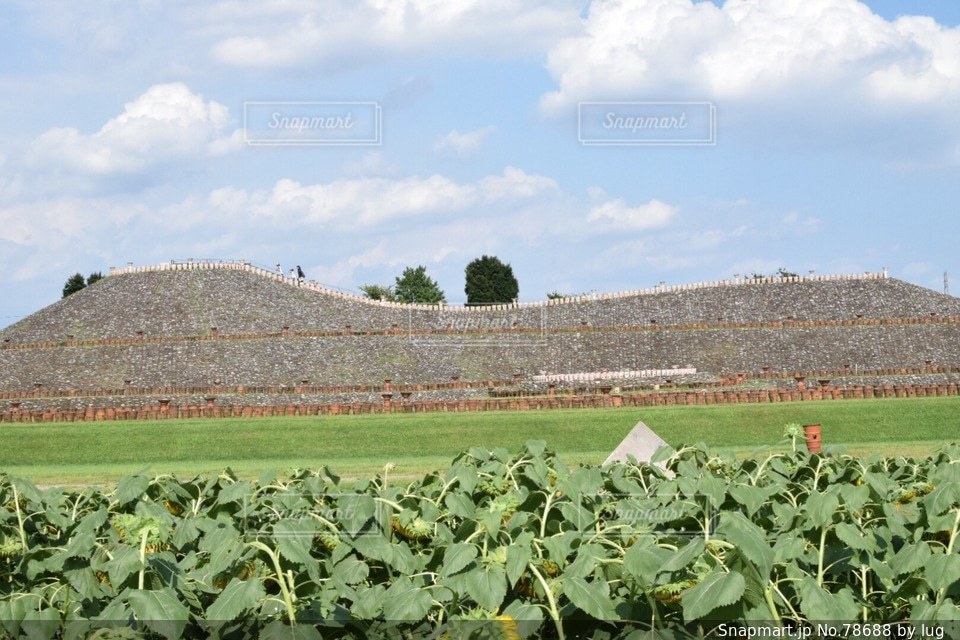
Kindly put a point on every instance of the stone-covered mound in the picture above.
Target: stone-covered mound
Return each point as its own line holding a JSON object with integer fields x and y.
{"x": 192, "y": 302}
{"x": 232, "y": 324}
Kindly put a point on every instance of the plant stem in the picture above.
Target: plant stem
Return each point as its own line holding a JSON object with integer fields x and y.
{"x": 863, "y": 589}
{"x": 771, "y": 605}
{"x": 143, "y": 556}
{"x": 546, "y": 510}
{"x": 16, "y": 506}
{"x": 953, "y": 538}
{"x": 823, "y": 542}
{"x": 284, "y": 588}
{"x": 554, "y": 612}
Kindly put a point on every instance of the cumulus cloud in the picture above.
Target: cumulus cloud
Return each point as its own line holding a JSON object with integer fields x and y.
{"x": 753, "y": 48}
{"x": 826, "y": 74}
{"x": 53, "y": 230}
{"x": 463, "y": 144}
{"x": 344, "y": 33}
{"x": 341, "y": 273}
{"x": 168, "y": 122}
{"x": 616, "y": 214}
{"x": 371, "y": 201}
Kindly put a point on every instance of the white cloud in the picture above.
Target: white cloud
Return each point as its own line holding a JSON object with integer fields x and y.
{"x": 367, "y": 202}
{"x": 168, "y": 122}
{"x": 822, "y": 73}
{"x": 463, "y": 144}
{"x": 714, "y": 238}
{"x": 341, "y": 273}
{"x": 617, "y": 214}
{"x": 345, "y": 33}
{"x": 516, "y": 183}
{"x": 753, "y": 48}
{"x": 53, "y": 230}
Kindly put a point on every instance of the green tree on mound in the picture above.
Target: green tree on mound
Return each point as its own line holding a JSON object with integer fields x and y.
{"x": 74, "y": 283}
{"x": 490, "y": 281}
{"x": 378, "y": 292}
{"x": 416, "y": 286}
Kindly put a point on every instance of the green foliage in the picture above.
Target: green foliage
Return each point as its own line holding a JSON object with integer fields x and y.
{"x": 414, "y": 285}
{"x": 378, "y": 292}
{"x": 490, "y": 281}
{"x": 783, "y": 273}
{"x": 76, "y": 282}
{"x": 73, "y": 284}
{"x": 496, "y": 544}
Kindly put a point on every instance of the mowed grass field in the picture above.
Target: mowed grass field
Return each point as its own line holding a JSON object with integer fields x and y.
{"x": 357, "y": 446}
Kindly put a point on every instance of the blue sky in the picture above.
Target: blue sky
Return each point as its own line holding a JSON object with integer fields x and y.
{"x": 837, "y": 142}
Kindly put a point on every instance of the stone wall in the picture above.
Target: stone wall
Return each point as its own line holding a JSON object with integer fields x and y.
{"x": 357, "y": 360}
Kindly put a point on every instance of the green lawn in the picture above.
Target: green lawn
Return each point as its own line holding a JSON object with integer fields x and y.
{"x": 361, "y": 445}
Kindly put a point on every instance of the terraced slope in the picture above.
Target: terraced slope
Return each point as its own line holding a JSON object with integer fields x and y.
{"x": 156, "y": 329}
{"x": 191, "y": 303}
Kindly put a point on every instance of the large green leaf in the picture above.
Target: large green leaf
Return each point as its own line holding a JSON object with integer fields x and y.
{"x": 460, "y": 505}
{"x": 910, "y": 558}
{"x": 42, "y": 624}
{"x": 713, "y": 488}
{"x": 355, "y": 513}
{"x": 405, "y": 601}
{"x": 368, "y": 603}
{"x": 238, "y": 597}
{"x": 749, "y": 538}
{"x": 854, "y": 497}
{"x": 645, "y": 562}
{"x": 821, "y": 508}
{"x": 754, "y": 606}
{"x": 749, "y": 496}
{"x": 685, "y": 556}
{"x": 518, "y": 555}
{"x": 487, "y": 586}
{"x": 853, "y": 538}
{"x": 941, "y": 570}
{"x": 583, "y": 482}
{"x": 818, "y": 604}
{"x": 457, "y": 557}
{"x": 279, "y": 630}
{"x": 719, "y": 589}
{"x": 351, "y": 570}
{"x": 585, "y": 562}
{"x": 593, "y": 598}
{"x": 294, "y": 538}
{"x": 130, "y": 488}
{"x": 222, "y": 541}
{"x": 943, "y": 498}
{"x": 161, "y": 611}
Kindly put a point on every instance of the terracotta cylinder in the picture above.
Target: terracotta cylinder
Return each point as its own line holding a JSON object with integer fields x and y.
{"x": 812, "y": 432}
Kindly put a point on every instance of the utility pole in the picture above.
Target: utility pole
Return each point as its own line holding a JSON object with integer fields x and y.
{"x": 946, "y": 284}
